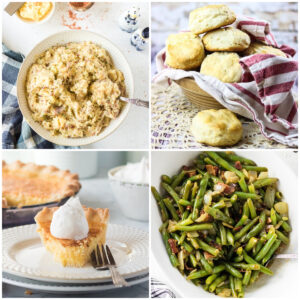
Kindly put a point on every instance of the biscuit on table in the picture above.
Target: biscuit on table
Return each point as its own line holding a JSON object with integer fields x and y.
{"x": 217, "y": 127}
{"x": 210, "y": 17}
{"x": 223, "y": 65}
{"x": 184, "y": 51}
{"x": 260, "y": 48}
{"x": 226, "y": 39}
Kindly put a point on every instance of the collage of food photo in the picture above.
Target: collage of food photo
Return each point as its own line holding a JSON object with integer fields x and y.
{"x": 150, "y": 149}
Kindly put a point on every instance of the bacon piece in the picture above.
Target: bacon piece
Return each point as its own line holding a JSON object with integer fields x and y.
{"x": 238, "y": 165}
{"x": 212, "y": 170}
{"x": 173, "y": 245}
{"x": 208, "y": 256}
{"x": 215, "y": 245}
{"x": 224, "y": 188}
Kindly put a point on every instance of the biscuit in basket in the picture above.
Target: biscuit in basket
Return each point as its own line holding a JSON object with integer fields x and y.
{"x": 184, "y": 51}
{"x": 226, "y": 39}
{"x": 222, "y": 65}
{"x": 260, "y": 48}
{"x": 210, "y": 17}
{"x": 217, "y": 127}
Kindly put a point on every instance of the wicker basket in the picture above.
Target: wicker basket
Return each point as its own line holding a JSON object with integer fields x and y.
{"x": 197, "y": 96}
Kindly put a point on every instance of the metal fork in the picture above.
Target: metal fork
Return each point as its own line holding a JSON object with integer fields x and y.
{"x": 103, "y": 259}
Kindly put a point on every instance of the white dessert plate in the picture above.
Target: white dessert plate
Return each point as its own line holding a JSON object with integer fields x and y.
{"x": 25, "y": 256}
{"x": 65, "y": 37}
{"x": 65, "y": 288}
{"x": 285, "y": 276}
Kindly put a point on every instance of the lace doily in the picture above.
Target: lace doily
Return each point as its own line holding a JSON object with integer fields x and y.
{"x": 172, "y": 115}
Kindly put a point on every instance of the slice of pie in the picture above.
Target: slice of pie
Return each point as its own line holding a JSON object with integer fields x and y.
{"x": 73, "y": 253}
{"x": 31, "y": 184}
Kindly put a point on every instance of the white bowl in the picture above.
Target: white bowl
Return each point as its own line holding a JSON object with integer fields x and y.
{"x": 44, "y": 20}
{"x": 133, "y": 198}
{"x": 285, "y": 276}
{"x": 62, "y": 38}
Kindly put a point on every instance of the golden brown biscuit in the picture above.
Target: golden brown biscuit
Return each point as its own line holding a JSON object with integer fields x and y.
{"x": 222, "y": 65}
{"x": 184, "y": 51}
{"x": 210, "y": 17}
{"x": 217, "y": 127}
{"x": 260, "y": 48}
{"x": 226, "y": 39}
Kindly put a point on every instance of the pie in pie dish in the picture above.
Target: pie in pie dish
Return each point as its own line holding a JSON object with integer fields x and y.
{"x": 31, "y": 184}
{"x": 73, "y": 253}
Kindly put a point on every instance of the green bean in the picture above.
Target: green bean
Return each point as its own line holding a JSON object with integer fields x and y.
{"x": 184, "y": 202}
{"x": 255, "y": 267}
{"x": 232, "y": 271}
{"x": 218, "y": 215}
{"x": 251, "y": 189}
{"x": 252, "y": 208}
{"x": 200, "y": 195}
{"x": 205, "y": 247}
{"x": 251, "y": 243}
{"x": 273, "y": 216}
{"x": 182, "y": 238}
{"x": 262, "y": 253}
{"x": 218, "y": 269}
{"x": 243, "y": 185}
{"x": 254, "y": 276}
{"x": 186, "y": 190}
{"x": 241, "y": 222}
{"x": 238, "y": 284}
{"x": 247, "y": 277}
{"x": 245, "y": 196}
{"x": 196, "y": 275}
{"x": 278, "y": 195}
{"x": 239, "y": 258}
{"x": 245, "y": 229}
{"x": 219, "y": 205}
{"x": 232, "y": 286}
{"x": 255, "y": 168}
{"x": 194, "y": 191}
{"x": 258, "y": 228}
{"x": 171, "y": 209}
{"x": 259, "y": 245}
{"x": 286, "y": 227}
{"x": 187, "y": 247}
{"x": 270, "y": 253}
{"x": 224, "y": 164}
{"x": 186, "y": 222}
{"x": 166, "y": 179}
{"x": 172, "y": 256}
{"x": 163, "y": 210}
{"x": 223, "y": 234}
{"x": 282, "y": 237}
{"x": 178, "y": 179}
{"x": 230, "y": 237}
{"x": 250, "y": 260}
{"x": 185, "y": 215}
{"x": 206, "y": 266}
{"x": 199, "y": 227}
{"x": 235, "y": 158}
{"x": 211, "y": 278}
{"x": 217, "y": 281}
{"x": 193, "y": 260}
{"x": 264, "y": 182}
{"x": 173, "y": 194}
{"x": 269, "y": 197}
{"x": 246, "y": 211}
{"x": 208, "y": 161}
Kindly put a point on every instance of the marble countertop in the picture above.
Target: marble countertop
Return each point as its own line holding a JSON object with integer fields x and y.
{"x": 101, "y": 18}
{"x": 95, "y": 192}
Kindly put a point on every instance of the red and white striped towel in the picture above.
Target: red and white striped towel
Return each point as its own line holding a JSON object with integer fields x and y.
{"x": 264, "y": 93}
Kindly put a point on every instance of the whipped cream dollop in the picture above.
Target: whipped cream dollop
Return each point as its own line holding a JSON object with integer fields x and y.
{"x": 134, "y": 172}
{"x": 69, "y": 221}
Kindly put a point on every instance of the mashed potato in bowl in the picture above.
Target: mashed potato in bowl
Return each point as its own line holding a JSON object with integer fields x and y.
{"x": 73, "y": 90}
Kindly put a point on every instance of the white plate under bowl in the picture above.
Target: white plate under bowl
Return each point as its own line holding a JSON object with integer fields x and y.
{"x": 65, "y": 37}
{"x": 64, "y": 288}
{"x": 285, "y": 276}
{"x": 25, "y": 256}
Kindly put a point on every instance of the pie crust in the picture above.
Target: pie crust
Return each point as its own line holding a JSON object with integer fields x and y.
{"x": 73, "y": 253}
{"x": 31, "y": 184}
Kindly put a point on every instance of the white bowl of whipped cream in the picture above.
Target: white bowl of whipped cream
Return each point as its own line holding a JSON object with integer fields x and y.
{"x": 130, "y": 186}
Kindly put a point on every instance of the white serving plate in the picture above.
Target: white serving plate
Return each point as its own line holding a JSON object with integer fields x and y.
{"x": 64, "y": 288}
{"x": 25, "y": 256}
{"x": 285, "y": 279}
{"x": 65, "y": 37}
